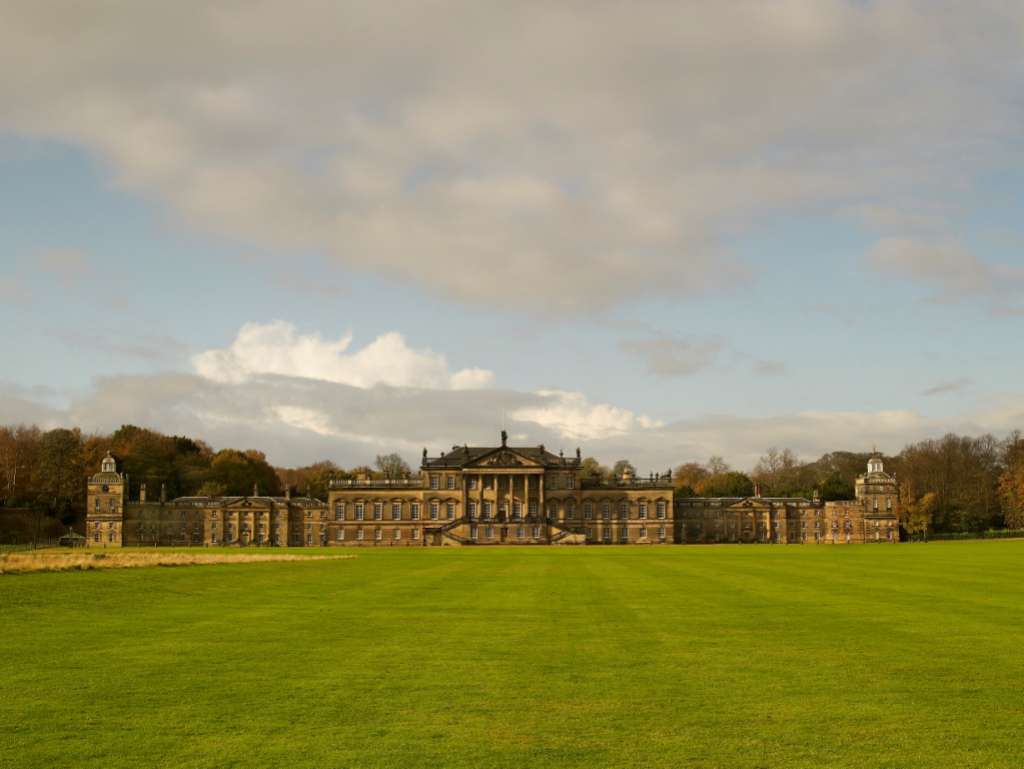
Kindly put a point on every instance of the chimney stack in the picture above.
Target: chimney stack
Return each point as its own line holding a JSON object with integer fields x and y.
{"x": 255, "y": 489}
{"x": 142, "y": 493}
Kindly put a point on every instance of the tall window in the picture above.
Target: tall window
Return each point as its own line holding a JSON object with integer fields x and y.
{"x": 569, "y": 509}
{"x": 606, "y": 511}
{"x": 434, "y": 510}
{"x": 339, "y": 535}
{"x": 451, "y": 482}
{"x": 533, "y": 508}
{"x": 96, "y": 503}
{"x": 517, "y": 510}
{"x": 472, "y": 532}
{"x": 487, "y": 510}
{"x": 378, "y": 534}
{"x": 471, "y": 509}
{"x": 414, "y": 511}
{"x": 434, "y": 482}
{"x": 588, "y": 510}
{"x": 624, "y": 509}
{"x": 473, "y": 480}
{"x": 396, "y": 511}
{"x": 661, "y": 508}
{"x": 570, "y": 482}
{"x": 360, "y": 511}
{"x": 520, "y": 532}
{"x": 661, "y": 533}
{"x": 339, "y": 511}
{"x": 359, "y": 534}
{"x": 624, "y": 534}
{"x": 642, "y": 510}
{"x": 488, "y": 532}
{"x": 415, "y": 533}
{"x": 451, "y": 511}
{"x": 642, "y": 532}
{"x": 536, "y": 532}
{"x": 396, "y": 534}
{"x": 378, "y": 511}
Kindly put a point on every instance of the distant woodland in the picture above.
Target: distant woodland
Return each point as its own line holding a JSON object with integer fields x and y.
{"x": 949, "y": 485}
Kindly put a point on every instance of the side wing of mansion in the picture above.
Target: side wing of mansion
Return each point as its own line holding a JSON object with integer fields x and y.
{"x": 512, "y": 495}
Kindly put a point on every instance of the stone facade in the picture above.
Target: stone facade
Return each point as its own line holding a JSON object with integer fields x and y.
{"x": 872, "y": 517}
{"x": 500, "y": 495}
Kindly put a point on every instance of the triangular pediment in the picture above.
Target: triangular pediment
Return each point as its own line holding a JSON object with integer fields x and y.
{"x": 504, "y": 457}
{"x": 751, "y": 503}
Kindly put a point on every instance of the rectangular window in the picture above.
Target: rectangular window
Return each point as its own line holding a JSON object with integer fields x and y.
{"x": 606, "y": 534}
{"x": 414, "y": 511}
{"x": 624, "y": 510}
{"x": 487, "y": 511}
{"x": 340, "y": 534}
{"x": 472, "y": 532}
{"x": 606, "y": 511}
{"x": 473, "y": 480}
{"x": 643, "y": 532}
{"x": 520, "y": 533}
{"x": 488, "y": 532}
{"x": 434, "y": 482}
{"x": 661, "y": 533}
{"x": 588, "y": 510}
{"x": 378, "y": 511}
{"x": 570, "y": 482}
{"x": 339, "y": 511}
{"x": 96, "y": 503}
{"x": 471, "y": 509}
{"x": 309, "y": 540}
{"x": 536, "y": 532}
{"x": 451, "y": 482}
{"x": 396, "y": 511}
{"x": 434, "y": 510}
{"x": 378, "y": 534}
{"x": 624, "y": 534}
{"x": 360, "y": 511}
{"x": 661, "y": 508}
{"x": 642, "y": 511}
{"x": 213, "y": 539}
{"x": 517, "y": 510}
{"x": 533, "y": 508}
{"x": 451, "y": 511}
{"x": 415, "y": 533}
{"x": 359, "y": 534}
{"x": 396, "y": 534}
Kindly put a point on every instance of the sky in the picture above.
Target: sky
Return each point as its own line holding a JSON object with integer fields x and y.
{"x": 657, "y": 231}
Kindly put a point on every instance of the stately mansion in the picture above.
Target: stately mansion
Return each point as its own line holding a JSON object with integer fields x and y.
{"x": 501, "y": 495}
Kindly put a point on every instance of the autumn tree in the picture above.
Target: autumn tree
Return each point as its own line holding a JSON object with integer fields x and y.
{"x": 392, "y": 466}
{"x": 726, "y": 484}
{"x": 623, "y": 466}
{"x": 592, "y": 470}
{"x": 1011, "y": 483}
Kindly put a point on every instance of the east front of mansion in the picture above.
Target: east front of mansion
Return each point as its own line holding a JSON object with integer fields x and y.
{"x": 503, "y": 495}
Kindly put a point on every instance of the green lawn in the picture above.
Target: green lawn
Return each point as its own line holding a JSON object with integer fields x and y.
{"x": 730, "y": 656}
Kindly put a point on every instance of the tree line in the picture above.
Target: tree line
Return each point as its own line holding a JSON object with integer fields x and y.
{"x": 950, "y": 484}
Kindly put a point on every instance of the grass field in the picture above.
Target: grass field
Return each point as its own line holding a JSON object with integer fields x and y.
{"x": 731, "y": 656}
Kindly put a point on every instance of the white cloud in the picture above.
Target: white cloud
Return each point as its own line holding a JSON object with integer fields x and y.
{"x": 951, "y": 272}
{"x": 278, "y": 348}
{"x": 672, "y": 356}
{"x": 594, "y": 156}
{"x": 572, "y": 416}
{"x": 296, "y": 421}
